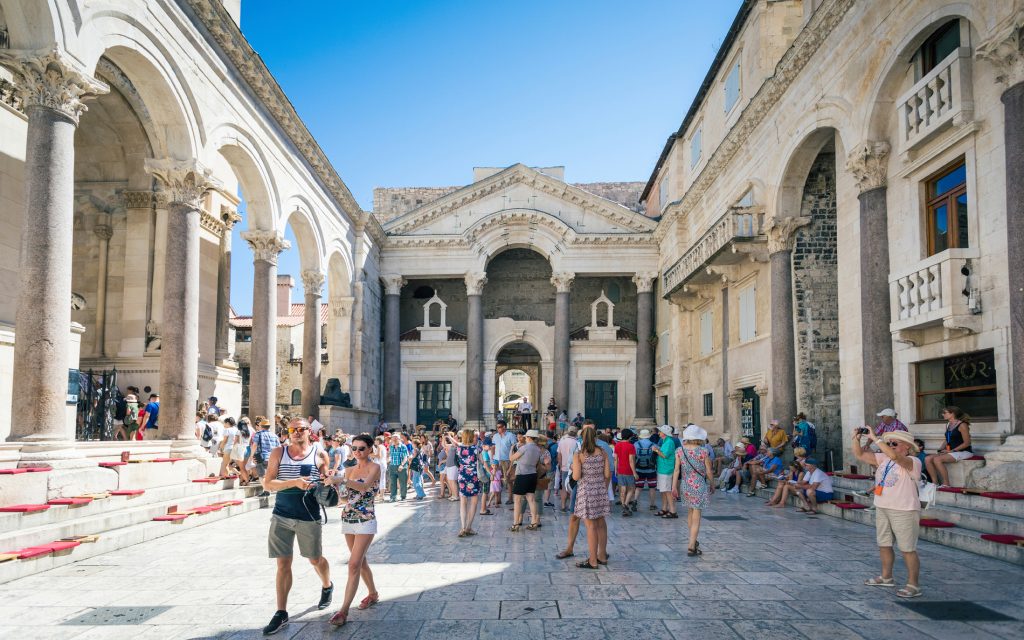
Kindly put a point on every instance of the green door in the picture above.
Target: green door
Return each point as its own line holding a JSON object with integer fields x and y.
{"x": 750, "y": 415}
{"x": 602, "y": 402}
{"x": 433, "y": 402}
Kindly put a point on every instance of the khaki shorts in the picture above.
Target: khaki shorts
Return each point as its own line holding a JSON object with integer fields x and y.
{"x": 902, "y": 526}
{"x": 506, "y": 470}
{"x": 283, "y": 531}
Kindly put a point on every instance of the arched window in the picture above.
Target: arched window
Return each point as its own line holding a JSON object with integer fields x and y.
{"x": 296, "y": 397}
{"x": 423, "y": 293}
{"x": 613, "y": 292}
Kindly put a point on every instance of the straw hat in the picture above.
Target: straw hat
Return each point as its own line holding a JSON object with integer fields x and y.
{"x": 693, "y": 432}
{"x": 532, "y": 433}
{"x": 645, "y": 433}
{"x": 902, "y": 436}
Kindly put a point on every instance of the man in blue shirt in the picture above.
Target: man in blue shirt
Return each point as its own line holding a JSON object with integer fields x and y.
{"x": 503, "y": 443}
{"x": 151, "y": 420}
{"x": 770, "y": 465}
{"x": 398, "y": 466}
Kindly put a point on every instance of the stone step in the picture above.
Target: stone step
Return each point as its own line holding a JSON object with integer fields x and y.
{"x": 15, "y": 521}
{"x": 68, "y": 522}
{"x": 122, "y": 537}
{"x": 1014, "y": 508}
{"x": 980, "y": 521}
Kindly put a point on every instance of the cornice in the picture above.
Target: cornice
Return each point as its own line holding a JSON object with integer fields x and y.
{"x": 514, "y": 175}
{"x": 226, "y": 34}
{"x": 805, "y": 45}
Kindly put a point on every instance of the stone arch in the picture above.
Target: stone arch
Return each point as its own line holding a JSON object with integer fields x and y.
{"x": 339, "y": 270}
{"x": 800, "y": 158}
{"x": 538, "y": 232}
{"x": 251, "y": 168}
{"x": 500, "y": 342}
{"x": 308, "y": 234}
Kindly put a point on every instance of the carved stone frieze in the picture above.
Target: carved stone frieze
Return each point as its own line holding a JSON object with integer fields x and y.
{"x": 868, "y": 163}
{"x": 183, "y": 182}
{"x": 50, "y": 78}
{"x": 136, "y": 199}
{"x": 211, "y": 224}
{"x": 393, "y": 283}
{"x": 341, "y": 306}
{"x": 266, "y": 245}
{"x": 475, "y": 283}
{"x": 781, "y": 230}
{"x": 313, "y": 281}
{"x": 1005, "y": 50}
{"x": 562, "y": 281}
{"x": 644, "y": 281}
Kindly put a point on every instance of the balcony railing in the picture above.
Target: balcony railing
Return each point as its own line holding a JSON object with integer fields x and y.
{"x": 738, "y": 224}
{"x": 931, "y": 292}
{"x": 940, "y": 98}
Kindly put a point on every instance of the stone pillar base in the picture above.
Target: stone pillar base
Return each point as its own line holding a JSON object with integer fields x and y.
{"x": 56, "y": 454}
{"x": 188, "y": 449}
{"x": 644, "y": 422}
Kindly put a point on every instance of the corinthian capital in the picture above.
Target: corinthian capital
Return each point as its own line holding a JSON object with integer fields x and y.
{"x": 1004, "y": 51}
{"x": 266, "y": 245}
{"x": 475, "y": 283}
{"x": 313, "y": 281}
{"x": 183, "y": 181}
{"x": 562, "y": 281}
{"x": 867, "y": 162}
{"x": 644, "y": 281}
{"x": 50, "y": 78}
{"x": 229, "y": 216}
{"x": 393, "y": 283}
{"x": 780, "y": 231}
{"x": 341, "y": 306}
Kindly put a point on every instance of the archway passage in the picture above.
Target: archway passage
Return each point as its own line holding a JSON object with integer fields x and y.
{"x": 516, "y": 378}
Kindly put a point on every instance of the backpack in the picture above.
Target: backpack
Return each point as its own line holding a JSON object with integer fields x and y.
{"x": 207, "y": 433}
{"x": 812, "y": 437}
{"x": 644, "y": 458}
{"x": 120, "y": 408}
{"x": 243, "y": 429}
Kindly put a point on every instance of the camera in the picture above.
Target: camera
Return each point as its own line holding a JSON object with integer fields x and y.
{"x": 863, "y": 431}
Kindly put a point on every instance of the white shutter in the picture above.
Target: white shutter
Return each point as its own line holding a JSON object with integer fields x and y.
{"x": 748, "y": 317}
{"x": 706, "y": 338}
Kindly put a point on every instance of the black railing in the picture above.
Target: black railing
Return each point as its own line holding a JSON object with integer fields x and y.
{"x": 98, "y": 396}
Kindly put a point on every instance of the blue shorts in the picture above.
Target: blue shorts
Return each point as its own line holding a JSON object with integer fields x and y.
{"x": 821, "y": 496}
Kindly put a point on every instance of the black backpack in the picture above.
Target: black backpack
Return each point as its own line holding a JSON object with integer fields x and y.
{"x": 207, "y": 433}
{"x": 243, "y": 429}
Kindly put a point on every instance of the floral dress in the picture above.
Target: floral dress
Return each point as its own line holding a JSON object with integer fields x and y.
{"x": 592, "y": 491}
{"x": 695, "y": 482}
{"x": 469, "y": 479}
{"x": 359, "y": 505}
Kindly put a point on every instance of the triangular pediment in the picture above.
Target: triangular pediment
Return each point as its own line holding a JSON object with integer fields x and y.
{"x": 519, "y": 189}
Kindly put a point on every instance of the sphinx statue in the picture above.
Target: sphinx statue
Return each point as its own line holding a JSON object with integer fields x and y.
{"x": 334, "y": 396}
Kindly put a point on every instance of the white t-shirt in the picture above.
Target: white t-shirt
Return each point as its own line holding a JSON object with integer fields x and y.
{"x": 525, "y": 407}
{"x": 343, "y": 452}
{"x": 243, "y": 441}
{"x": 823, "y": 479}
{"x": 228, "y": 436}
{"x": 217, "y": 427}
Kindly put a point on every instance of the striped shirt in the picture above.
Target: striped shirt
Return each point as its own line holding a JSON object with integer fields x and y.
{"x": 293, "y": 502}
{"x": 398, "y": 454}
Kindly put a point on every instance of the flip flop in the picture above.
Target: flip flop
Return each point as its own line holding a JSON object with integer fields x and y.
{"x": 563, "y": 555}
{"x": 584, "y": 564}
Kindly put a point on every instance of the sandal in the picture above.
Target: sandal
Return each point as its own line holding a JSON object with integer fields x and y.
{"x": 515, "y": 528}
{"x": 670, "y": 516}
{"x": 339, "y": 619}
{"x": 563, "y": 555}
{"x": 605, "y": 561}
{"x": 660, "y": 513}
{"x": 486, "y": 513}
{"x": 909, "y": 591}
{"x": 693, "y": 552}
{"x": 811, "y": 512}
{"x": 879, "y": 581}
{"x": 470, "y": 532}
{"x": 533, "y": 526}
{"x": 463, "y": 534}
{"x": 369, "y": 600}
{"x": 584, "y": 564}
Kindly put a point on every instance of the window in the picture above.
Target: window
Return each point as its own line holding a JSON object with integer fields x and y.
{"x": 967, "y": 381}
{"x": 695, "y": 147}
{"x": 707, "y": 342}
{"x": 663, "y": 192}
{"x": 296, "y": 397}
{"x": 663, "y": 349}
{"x": 243, "y": 335}
{"x": 748, "y": 318}
{"x": 732, "y": 88}
{"x": 613, "y": 292}
{"x": 747, "y": 199}
{"x": 947, "y": 209}
{"x": 938, "y": 46}
{"x": 423, "y": 293}
{"x": 709, "y": 404}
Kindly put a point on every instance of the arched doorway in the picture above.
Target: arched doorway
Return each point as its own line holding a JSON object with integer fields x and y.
{"x": 517, "y": 375}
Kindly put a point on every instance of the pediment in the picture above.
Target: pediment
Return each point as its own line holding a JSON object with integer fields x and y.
{"x": 518, "y": 192}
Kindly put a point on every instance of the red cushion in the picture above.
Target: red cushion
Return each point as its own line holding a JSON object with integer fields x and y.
{"x": 70, "y": 501}
{"x": 936, "y": 524}
{"x": 1001, "y": 538}
{"x": 165, "y": 459}
{"x": 37, "y": 469}
{"x": 951, "y": 489}
{"x": 229, "y": 503}
{"x": 32, "y": 552}
{"x": 1003, "y": 495}
{"x": 63, "y": 545}
{"x": 856, "y": 476}
{"x": 976, "y": 458}
{"x": 849, "y": 505}
{"x": 112, "y": 464}
{"x": 171, "y": 517}
{"x": 206, "y": 509}
{"x": 12, "y": 472}
{"x": 207, "y": 480}
{"x": 25, "y": 508}
{"x": 128, "y": 492}
{"x": 829, "y": 473}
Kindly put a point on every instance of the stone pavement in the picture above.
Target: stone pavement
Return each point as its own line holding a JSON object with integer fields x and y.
{"x": 764, "y": 573}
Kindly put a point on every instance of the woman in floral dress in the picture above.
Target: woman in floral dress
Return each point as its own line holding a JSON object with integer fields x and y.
{"x": 467, "y": 453}
{"x": 592, "y": 471}
{"x": 695, "y": 468}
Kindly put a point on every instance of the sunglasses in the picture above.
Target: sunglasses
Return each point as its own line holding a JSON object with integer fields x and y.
{"x": 297, "y": 429}
{"x": 360, "y": 448}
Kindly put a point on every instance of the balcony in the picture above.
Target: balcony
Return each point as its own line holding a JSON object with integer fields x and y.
{"x": 938, "y": 100}
{"x": 931, "y": 294}
{"x": 724, "y": 243}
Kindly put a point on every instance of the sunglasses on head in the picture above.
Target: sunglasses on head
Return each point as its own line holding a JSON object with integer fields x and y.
{"x": 360, "y": 448}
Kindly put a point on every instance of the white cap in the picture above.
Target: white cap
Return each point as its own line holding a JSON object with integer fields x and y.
{"x": 667, "y": 430}
{"x": 693, "y": 432}
{"x": 645, "y": 433}
{"x": 890, "y": 413}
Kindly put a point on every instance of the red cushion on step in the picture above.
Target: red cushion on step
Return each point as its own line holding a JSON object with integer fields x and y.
{"x": 1003, "y": 495}
{"x": 12, "y": 472}
{"x": 70, "y": 501}
{"x": 849, "y": 505}
{"x": 165, "y": 459}
{"x": 207, "y": 480}
{"x": 112, "y": 464}
{"x": 936, "y": 524}
{"x": 37, "y": 469}
{"x": 1001, "y": 538}
{"x": 951, "y": 489}
{"x": 25, "y": 508}
{"x": 976, "y": 458}
{"x": 829, "y": 473}
{"x": 205, "y": 509}
{"x": 855, "y": 476}
{"x": 62, "y": 545}
{"x": 171, "y": 517}
{"x": 229, "y": 503}
{"x": 32, "y": 552}
{"x": 128, "y": 492}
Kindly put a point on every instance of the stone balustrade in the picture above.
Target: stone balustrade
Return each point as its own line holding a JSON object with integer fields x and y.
{"x": 738, "y": 224}
{"x": 940, "y": 98}
{"x": 931, "y": 292}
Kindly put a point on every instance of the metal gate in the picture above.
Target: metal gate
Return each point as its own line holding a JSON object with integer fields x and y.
{"x": 98, "y": 396}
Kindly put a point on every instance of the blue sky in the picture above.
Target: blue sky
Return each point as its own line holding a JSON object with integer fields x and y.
{"x": 418, "y": 93}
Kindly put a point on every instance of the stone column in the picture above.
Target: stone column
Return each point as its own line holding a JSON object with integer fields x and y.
{"x": 868, "y": 163}
{"x": 266, "y": 245}
{"x": 1006, "y": 52}
{"x": 154, "y": 326}
{"x": 726, "y": 426}
{"x": 222, "y": 350}
{"x": 313, "y": 284}
{"x": 563, "y": 285}
{"x": 644, "y": 411}
{"x": 783, "y": 366}
{"x": 392, "y": 395}
{"x": 339, "y": 342}
{"x": 105, "y": 232}
{"x": 185, "y": 183}
{"x": 475, "y": 351}
{"x": 52, "y": 88}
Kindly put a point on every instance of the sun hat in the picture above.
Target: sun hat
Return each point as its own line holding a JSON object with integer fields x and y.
{"x": 902, "y": 436}
{"x": 667, "y": 430}
{"x": 532, "y": 433}
{"x": 811, "y": 461}
{"x": 886, "y": 413}
{"x": 693, "y": 432}
{"x": 645, "y": 433}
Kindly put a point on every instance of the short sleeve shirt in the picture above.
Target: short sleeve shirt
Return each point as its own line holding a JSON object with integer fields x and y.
{"x": 899, "y": 487}
{"x": 667, "y": 464}
{"x": 503, "y": 445}
{"x": 823, "y": 479}
{"x": 527, "y": 463}
{"x": 623, "y": 450}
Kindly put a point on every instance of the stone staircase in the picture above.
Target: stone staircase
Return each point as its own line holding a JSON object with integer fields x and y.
{"x": 972, "y": 515}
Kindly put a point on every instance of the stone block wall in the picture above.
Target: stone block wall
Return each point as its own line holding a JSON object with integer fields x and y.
{"x": 519, "y": 287}
{"x": 816, "y": 305}
{"x": 451, "y": 291}
{"x": 625, "y": 193}
{"x": 586, "y": 290}
{"x": 392, "y": 202}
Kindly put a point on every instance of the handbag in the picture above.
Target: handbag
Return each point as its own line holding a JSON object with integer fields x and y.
{"x": 543, "y": 483}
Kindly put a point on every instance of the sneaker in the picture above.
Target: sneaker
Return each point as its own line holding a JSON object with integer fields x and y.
{"x": 279, "y": 620}
{"x": 734, "y": 490}
{"x": 325, "y": 597}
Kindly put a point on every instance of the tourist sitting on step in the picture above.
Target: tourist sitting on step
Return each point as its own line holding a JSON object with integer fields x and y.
{"x": 816, "y": 487}
{"x": 956, "y": 448}
{"x": 787, "y": 485}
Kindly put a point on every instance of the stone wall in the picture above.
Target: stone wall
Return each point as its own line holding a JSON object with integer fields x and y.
{"x": 451, "y": 291}
{"x": 625, "y": 193}
{"x": 519, "y": 287}
{"x": 587, "y": 289}
{"x": 816, "y": 305}
{"x": 391, "y": 202}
